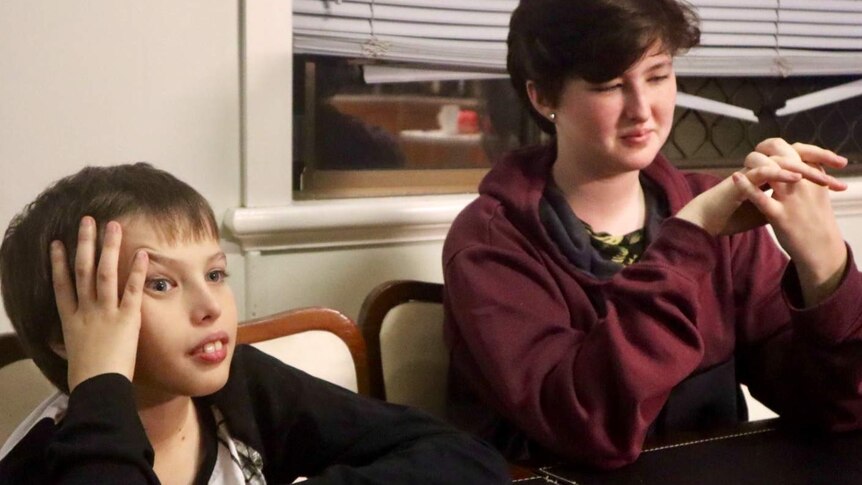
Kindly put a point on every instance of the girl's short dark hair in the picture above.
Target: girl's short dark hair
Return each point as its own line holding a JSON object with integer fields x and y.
{"x": 552, "y": 41}
{"x": 106, "y": 193}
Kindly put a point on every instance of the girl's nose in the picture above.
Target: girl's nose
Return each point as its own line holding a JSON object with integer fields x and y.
{"x": 637, "y": 105}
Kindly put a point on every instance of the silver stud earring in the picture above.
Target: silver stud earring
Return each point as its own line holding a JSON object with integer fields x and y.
{"x": 553, "y": 117}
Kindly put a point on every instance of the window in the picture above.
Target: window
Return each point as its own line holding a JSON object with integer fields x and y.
{"x": 395, "y": 138}
{"x": 702, "y": 140}
{"x": 354, "y": 138}
{"x": 358, "y": 132}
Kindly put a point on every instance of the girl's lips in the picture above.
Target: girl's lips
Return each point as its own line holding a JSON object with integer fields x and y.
{"x": 636, "y": 137}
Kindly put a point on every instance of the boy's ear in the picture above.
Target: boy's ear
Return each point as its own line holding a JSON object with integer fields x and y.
{"x": 59, "y": 348}
{"x": 538, "y": 100}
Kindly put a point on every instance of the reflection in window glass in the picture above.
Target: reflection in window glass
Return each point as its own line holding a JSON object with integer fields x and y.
{"x": 400, "y": 130}
{"x": 355, "y": 139}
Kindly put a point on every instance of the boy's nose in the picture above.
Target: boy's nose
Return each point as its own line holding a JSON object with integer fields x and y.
{"x": 205, "y": 307}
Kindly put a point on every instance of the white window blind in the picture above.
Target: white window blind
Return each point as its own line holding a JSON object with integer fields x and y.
{"x": 739, "y": 37}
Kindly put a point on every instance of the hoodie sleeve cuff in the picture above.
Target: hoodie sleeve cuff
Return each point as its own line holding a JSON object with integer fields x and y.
{"x": 836, "y": 318}
{"x": 684, "y": 246}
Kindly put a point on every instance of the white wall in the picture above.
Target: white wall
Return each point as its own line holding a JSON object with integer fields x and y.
{"x": 336, "y": 277}
{"x": 111, "y": 81}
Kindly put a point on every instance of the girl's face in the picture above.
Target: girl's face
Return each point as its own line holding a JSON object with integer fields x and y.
{"x": 620, "y": 125}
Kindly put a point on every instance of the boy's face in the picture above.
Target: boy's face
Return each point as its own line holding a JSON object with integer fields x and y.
{"x": 188, "y": 313}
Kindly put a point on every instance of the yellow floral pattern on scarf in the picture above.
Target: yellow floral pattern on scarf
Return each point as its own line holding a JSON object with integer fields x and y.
{"x": 624, "y": 250}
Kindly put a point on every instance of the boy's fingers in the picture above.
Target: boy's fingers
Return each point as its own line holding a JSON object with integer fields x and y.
{"x": 106, "y": 280}
{"x": 84, "y": 261}
{"x": 134, "y": 290}
{"x": 64, "y": 293}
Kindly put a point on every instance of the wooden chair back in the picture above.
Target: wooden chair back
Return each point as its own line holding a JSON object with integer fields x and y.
{"x": 299, "y": 337}
{"x": 22, "y": 385}
{"x": 408, "y": 362}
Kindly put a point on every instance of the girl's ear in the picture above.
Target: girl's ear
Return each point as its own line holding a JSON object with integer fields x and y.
{"x": 539, "y": 101}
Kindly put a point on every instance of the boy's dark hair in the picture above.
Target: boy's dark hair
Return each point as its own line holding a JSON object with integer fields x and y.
{"x": 552, "y": 41}
{"x": 105, "y": 193}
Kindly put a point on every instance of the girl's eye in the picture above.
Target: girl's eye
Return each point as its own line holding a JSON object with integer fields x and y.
{"x": 658, "y": 79}
{"x": 607, "y": 88}
{"x": 159, "y": 285}
{"x": 216, "y": 276}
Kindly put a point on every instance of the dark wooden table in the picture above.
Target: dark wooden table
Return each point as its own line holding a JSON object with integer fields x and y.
{"x": 756, "y": 453}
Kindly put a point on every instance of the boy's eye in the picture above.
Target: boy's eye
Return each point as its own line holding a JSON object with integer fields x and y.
{"x": 160, "y": 285}
{"x": 216, "y": 275}
{"x": 657, "y": 79}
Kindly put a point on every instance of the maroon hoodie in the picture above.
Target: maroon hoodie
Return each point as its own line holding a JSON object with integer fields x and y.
{"x": 547, "y": 357}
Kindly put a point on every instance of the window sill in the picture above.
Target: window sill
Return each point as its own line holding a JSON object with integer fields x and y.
{"x": 387, "y": 220}
{"x": 345, "y": 222}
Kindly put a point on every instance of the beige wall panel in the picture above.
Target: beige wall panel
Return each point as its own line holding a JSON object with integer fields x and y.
{"x": 337, "y": 278}
{"x": 110, "y": 81}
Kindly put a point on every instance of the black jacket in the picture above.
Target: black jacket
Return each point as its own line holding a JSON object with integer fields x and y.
{"x": 299, "y": 425}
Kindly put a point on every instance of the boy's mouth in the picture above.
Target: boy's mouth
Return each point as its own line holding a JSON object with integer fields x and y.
{"x": 213, "y": 348}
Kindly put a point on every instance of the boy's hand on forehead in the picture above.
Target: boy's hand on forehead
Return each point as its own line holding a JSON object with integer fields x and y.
{"x": 100, "y": 327}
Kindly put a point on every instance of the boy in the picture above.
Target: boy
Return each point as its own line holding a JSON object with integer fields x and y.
{"x": 129, "y": 315}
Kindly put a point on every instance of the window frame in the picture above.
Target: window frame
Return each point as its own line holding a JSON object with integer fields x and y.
{"x": 270, "y": 218}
